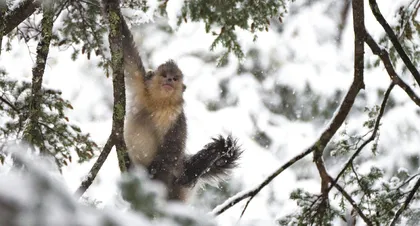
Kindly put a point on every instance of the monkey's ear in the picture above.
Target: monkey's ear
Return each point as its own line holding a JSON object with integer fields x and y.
{"x": 149, "y": 75}
{"x": 184, "y": 87}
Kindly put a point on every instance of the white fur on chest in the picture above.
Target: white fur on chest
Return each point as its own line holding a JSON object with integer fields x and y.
{"x": 163, "y": 121}
{"x": 140, "y": 140}
{"x": 143, "y": 136}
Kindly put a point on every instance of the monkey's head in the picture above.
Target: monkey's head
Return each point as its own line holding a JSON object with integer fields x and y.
{"x": 166, "y": 82}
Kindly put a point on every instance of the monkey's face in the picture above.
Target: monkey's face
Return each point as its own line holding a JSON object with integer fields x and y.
{"x": 167, "y": 82}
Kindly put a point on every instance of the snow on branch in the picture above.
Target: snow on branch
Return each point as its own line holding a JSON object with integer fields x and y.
{"x": 380, "y": 18}
{"x": 384, "y": 56}
{"x": 320, "y": 144}
{"x": 18, "y": 14}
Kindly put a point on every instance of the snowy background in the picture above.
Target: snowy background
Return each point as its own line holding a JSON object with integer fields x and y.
{"x": 276, "y": 102}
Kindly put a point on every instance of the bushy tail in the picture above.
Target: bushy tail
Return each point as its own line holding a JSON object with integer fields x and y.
{"x": 214, "y": 161}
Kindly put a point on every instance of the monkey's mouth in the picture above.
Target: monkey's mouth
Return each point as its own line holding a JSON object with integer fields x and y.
{"x": 167, "y": 87}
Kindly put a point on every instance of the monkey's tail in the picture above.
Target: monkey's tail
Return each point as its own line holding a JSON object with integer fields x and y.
{"x": 213, "y": 162}
{"x": 229, "y": 152}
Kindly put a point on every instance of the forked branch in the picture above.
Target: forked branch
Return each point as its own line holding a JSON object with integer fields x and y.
{"x": 406, "y": 202}
{"x": 352, "y": 203}
{"x": 320, "y": 144}
{"x": 112, "y": 8}
{"x": 400, "y": 50}
{"x": 357, "y": 85}
{"x": 370, "y": 139}
{"x": 384, "y": 56}
{"x": 113, "y": 14}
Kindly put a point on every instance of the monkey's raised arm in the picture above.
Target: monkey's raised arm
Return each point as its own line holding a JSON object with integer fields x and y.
{"x": 132, "y": 60}
{"x": 133, "y": 65}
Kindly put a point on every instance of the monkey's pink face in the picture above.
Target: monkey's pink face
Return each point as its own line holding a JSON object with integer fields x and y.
{"x": 170, "y": 82}
{"x": 166, "y": 85}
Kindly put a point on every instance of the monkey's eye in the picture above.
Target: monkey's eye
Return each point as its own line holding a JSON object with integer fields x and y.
{"x": 164, "y": 75}
{"x": 175, "y": 78}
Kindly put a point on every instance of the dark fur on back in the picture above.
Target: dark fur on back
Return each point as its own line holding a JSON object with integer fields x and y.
{"x": 215, "y": 160}
{"x": 169, "y": 158}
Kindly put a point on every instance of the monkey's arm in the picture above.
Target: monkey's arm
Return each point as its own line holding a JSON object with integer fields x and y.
{"x": 132, "y": 60}
{"x": 169, "y": 158}
{"x": 213, "y": 161}
{"x": 133, "y": 65}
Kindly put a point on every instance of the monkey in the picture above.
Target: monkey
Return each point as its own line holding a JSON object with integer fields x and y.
{"x": 156, "y": 127}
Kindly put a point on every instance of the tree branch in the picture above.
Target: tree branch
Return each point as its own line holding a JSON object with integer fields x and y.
{"x": 359, "y": 33}
{"x": 406, "y": 203}
{"x": 33, "y": 133}
{"x": 378, "y": 15}
{"x": 13, "y": 18}
{"x": 95, "y": 168}
{"x": 251, "y": 193}
{"x": 343, "y": 17}
{"x": 370, "y": 139}
{"x": 3, "y": 10}
{"x": 2, "y": 99}
{"x": 329, "y": 132}
{"x": 353, "y": 203}
{"x": 384, "y": 56}
{"x": 112, "y": 12}
{"x": 325, "y": 137}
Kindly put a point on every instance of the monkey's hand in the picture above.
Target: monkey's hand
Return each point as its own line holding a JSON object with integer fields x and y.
{"x": 215, "y": 160}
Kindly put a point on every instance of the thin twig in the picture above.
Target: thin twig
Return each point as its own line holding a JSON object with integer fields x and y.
{"x": 384, "y": 56}
{"x": 353, "y": 203}
{"x": 408, "y": 180}
{"x": 380, "y": 18}
{"x": 9, "y": 104}
{"x": 343, "y": 17}
{"x": 95, "y": 168}
{"x": 371, "y": 138}
{"x": 359, "y": 182}
{"x": 231, "y": 202}
{"x": 62, "y": 6}
{"x": 406, "y": 203}
{"x": 3, "y": 9}
{"x": 87, "y": 26}
{"x": 413, "y": 14}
